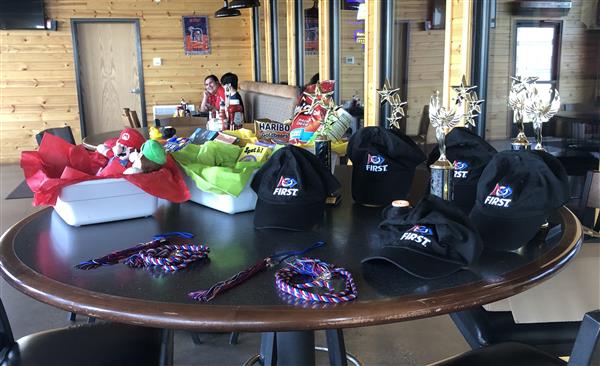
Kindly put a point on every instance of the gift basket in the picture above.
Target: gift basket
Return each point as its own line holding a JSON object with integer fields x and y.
{"x": 123, "y": 179}
{"x": 218, "y": 174}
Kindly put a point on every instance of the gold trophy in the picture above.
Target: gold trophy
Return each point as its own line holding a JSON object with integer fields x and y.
{"x": 443, "y": 120}
{"x": 540, "y": 108}
{"x": 517, "y": 99}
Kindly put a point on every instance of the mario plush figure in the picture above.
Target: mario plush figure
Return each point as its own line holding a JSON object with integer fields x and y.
{"x": 122, "y": 154}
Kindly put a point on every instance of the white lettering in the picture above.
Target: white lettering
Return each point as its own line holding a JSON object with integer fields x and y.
{"x": 285, "y": 191}
{"x": 419, "y": 239}
{"x": 376, "y": 168}
{"x": 497, "y": 201}
{"x": 460, "y": 173}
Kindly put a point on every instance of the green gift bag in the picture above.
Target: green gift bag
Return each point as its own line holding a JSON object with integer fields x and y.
{"x": 213, "y": 166}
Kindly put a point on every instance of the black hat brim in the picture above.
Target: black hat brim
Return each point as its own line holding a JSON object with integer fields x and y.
{"x": 417, "y": 263}
{"x": 506, "y": 233}
{"x": 287, "y": 216}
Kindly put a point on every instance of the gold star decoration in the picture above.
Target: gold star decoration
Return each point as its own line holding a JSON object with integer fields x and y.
{"x": 387, "y": 92}
{"x": 397, "y": 112}
{"x": 318, "y": 98}
{"x": 462, "y": 90}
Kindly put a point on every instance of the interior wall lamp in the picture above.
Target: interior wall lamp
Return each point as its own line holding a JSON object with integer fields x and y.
{"x": 242, "y": 4}
{"x": 226, "y": 11}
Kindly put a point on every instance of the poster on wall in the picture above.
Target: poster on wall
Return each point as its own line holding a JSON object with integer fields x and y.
{"x": 195, "y": 35}
{"x": 311, "y": 35}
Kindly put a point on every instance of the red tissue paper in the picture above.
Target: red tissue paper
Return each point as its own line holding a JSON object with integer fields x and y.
{"x": 58, "y": 163}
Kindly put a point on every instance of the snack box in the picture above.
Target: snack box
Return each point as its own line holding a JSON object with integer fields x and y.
{"x": 103, "y": 200}
{"x": 246, "y": 201}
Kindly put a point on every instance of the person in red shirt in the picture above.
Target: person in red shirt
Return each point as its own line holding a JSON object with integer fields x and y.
{"x": 213, "y": 94}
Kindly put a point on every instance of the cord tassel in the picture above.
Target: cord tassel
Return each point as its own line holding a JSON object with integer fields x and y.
{"x": 115, "y": 257}
{"x": 220, "y": 287}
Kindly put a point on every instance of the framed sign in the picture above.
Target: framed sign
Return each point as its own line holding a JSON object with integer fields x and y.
{"x": 195, "y": 35}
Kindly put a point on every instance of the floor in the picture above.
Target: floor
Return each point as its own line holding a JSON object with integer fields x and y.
{"x": 417, "y": 342}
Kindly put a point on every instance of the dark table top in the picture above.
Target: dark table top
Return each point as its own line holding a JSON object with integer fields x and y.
{"x": 37, "y": 256}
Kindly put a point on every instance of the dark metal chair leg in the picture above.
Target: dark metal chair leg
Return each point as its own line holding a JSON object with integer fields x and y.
{"x": 296, "y": 348}
{"x": 336, "y": 346}
{"x": 268, "y": 349}
{"x": 166, "y": 347}
{"x": 72, "y": 317}
{"x": 91, "y": 320}
{"x": 196, "y": 338}
{"x": 234, "y": 338}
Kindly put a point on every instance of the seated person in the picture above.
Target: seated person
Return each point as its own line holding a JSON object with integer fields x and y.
{"x": 230, "y": 83}
{"x": 213, "y": 94}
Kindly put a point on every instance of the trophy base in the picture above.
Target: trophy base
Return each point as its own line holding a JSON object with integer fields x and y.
{"x": 520, "y": 145}
{"x": 442, "y": 180}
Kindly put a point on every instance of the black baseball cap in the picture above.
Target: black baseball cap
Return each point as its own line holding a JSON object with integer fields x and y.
{"x": 384, "y": 164}
{"x": 433, "y": 240}
{"x": 516, "y": 193}
{"x": 291, "y": 188}
{"x": 470, "y": 154}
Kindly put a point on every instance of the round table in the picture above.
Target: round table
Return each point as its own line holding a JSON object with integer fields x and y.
{"x": 37, "y": 256}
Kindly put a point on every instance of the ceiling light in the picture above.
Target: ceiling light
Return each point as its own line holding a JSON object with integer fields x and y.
{"x": 225, "y": 11}
{"x": 242, "y": 4}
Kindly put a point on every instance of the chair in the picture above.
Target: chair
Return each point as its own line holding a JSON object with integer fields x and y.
{"x": 421, "y": 137}
{"x": 268, "y": 101}
{"x": 590, "y": 198}
{"x": 86, "y": 344}
{"x": 130, "y": 118}
{"x": 63, "y": 132}
{"x": 586, "y": 351}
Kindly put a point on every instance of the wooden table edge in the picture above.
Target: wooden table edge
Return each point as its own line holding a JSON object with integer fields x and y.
{"x": 226, "y": 318}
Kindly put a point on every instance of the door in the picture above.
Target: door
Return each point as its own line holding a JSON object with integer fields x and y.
{"x": 109, "y": 72}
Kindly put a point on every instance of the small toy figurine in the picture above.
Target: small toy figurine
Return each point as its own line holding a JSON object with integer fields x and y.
{"x": 151, "y": 158}
{"x": 122, "y": 154}
{"x": 154, "y": 133}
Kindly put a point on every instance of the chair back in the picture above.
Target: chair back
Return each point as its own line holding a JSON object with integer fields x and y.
{"x": 424, "y": 123}
{"x": 134, "y": 119}
{"x": 268, "y": 101}
{"x": 590, "y": 197}
{"x": 64, "y": 133}
{"x": 6, "y": 334}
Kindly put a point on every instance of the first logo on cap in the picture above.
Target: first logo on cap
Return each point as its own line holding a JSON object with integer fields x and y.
{"x": 375, "y": 164}
{"x": 286, "y": 187}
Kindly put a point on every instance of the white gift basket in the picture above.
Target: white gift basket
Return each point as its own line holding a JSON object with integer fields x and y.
{"x": 103, "y": 200}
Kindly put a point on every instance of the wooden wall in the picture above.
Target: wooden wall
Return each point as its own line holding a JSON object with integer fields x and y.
{"x": 578, "y": 60}
{"x": 352, "y": 75}
{"x": 37, "y": 76}
{"x": 426, "y": 60}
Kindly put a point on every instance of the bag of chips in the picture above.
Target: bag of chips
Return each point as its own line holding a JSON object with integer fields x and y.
{"x": 307, "y": 122}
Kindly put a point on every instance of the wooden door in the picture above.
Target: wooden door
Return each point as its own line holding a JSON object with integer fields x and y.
{"x": 109, "y": 73}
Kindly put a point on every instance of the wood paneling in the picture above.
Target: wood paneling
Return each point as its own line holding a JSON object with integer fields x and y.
{"x": 579, "y": 50}
{"x": 425, "y": 63}
{"x": 352, "y": 75}
{"x": 37, "y": 73}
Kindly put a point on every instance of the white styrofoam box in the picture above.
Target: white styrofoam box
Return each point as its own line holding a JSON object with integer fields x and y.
{"x": 103, "y": 200}
{"x": 246, "y": 201}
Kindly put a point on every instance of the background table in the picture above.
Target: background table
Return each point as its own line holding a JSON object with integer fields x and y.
{"x": 37, "y": 256}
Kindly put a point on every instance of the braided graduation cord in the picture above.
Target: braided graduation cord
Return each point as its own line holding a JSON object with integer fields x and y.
{"x": 321, "y": 274}
{"x": 169, "y": 258}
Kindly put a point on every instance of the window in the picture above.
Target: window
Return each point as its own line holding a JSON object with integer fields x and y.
{"x": 537, "y": 52}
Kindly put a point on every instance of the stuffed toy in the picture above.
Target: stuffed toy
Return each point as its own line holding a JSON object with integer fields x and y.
{"x": 151, "y": 158}
{"x": 122, "y": 154}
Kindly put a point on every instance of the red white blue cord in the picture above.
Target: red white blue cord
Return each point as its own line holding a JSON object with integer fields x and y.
{"x": 169, "y": 258}
{"x": 320, "y": 276}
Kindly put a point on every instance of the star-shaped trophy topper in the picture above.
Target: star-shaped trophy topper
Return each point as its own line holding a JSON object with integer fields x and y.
{"x": 522, "y": 83}
{"x": 387, "y": 92}
{"x": 467, "y": 100}
{"x": 318, "y": 98}
{"x": 397, "y": 112}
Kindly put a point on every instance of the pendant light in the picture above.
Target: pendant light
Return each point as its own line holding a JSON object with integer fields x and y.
{"x": 242, "y": 4}
{"x": 225, "y": 11}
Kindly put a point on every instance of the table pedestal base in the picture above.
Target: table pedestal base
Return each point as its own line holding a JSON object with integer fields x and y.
{"x": 298, "y": 348}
